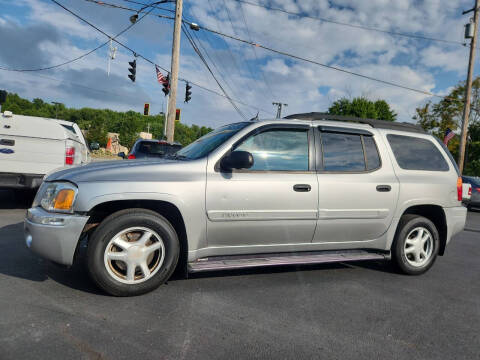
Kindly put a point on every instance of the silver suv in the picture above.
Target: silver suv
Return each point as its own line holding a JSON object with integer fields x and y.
{"x": 310, "y": 188}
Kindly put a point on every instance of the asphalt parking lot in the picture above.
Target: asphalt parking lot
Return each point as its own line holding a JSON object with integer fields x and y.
{"x": 342, "y": 311}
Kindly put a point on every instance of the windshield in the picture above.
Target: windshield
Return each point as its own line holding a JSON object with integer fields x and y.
{"x": 209, "y": 142}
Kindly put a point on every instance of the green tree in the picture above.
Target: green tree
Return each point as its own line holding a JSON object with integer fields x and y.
{"x": 447, "y": 113}
{"x": 363, "y": 108}
{"x": 99, "y": 122}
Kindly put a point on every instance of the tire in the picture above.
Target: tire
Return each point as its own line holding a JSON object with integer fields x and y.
{"x": 410, "y": 241}
{"x": 124, "y": 260}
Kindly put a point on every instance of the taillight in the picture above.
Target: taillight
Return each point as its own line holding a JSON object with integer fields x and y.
{"x": 69, "y": 155}
{"x": 470, "y": 191}
{"x": 459, "y": 189}
{"x": 131, "y": 156}
{"x": 478, "y": 189}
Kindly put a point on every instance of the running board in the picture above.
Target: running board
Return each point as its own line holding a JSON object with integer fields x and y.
{"x": 297, "y": 258}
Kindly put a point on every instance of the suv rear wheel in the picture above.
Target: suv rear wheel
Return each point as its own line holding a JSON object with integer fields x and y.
{"x": 132, "y": 252}
{"x": 416, "y": 244}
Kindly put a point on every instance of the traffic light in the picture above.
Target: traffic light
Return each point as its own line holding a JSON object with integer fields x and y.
{"x": 146, "y": 109}
{"x": 177, "y": 115}
{"x": 188, "y": 92}
{"x": 132, "y": 69}
{"x": 166, "y": 85}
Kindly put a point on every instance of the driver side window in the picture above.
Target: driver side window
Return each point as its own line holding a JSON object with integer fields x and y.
{"x": 278, "y": 150}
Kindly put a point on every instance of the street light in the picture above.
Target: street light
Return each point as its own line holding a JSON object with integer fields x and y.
{"x": 134, "y": 17}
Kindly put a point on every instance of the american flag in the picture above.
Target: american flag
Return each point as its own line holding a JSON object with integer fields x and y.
{"x": 449, "y": 134}
{"x": 161, "y": 79}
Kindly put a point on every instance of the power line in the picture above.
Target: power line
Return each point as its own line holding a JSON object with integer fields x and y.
{"x": 318, "y": 63}
{"x": 313, "y": 61}
{"x": 422, "y": 37}
{"x": 76, "y": 84}
{"x": 212, "y": 61}
{"x": 152, "y": 62}
{"x": 229, "y": 50}
{"x": 217, "y": 54}
{"x": 248, "y": 66}
{"x": 78, "y": 57}
{"x": 197, "y": 50}
{"x": 143, "y": 4}
{"x": 267, "y": 84}
{"x": 275, "y": 51}
{"x": 58, "y": 65}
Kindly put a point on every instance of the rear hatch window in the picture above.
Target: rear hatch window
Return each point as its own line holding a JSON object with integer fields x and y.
{"x": 157, "y": 149}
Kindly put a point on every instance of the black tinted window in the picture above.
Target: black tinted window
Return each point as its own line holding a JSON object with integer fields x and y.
{"x": 278, "y": 150}
{"x": 342, "y": 152}
{"x": 414, "y": 153}
{"x": 148, "y": 147}
{"x": 371, "y": 153}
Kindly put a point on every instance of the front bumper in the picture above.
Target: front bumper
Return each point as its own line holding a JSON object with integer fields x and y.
{"x": 20, "y": 181}
{"x": 53, "y": 236}
{"x": 456, "y": 218}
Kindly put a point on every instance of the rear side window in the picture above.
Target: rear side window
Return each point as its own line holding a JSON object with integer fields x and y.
{"x": 413, "y": 153}
{"x": 349, "y": 152}
{"x": 342, "y": 152}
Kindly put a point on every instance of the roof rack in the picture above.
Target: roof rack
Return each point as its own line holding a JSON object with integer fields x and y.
{"x": 381, "y": 124}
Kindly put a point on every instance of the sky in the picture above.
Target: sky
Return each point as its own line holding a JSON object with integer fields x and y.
{"x": 39, "y": 33}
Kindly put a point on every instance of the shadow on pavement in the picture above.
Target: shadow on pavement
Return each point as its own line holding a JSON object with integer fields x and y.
{"x": 16, "y": 260}
{"x": 19, "y": 199}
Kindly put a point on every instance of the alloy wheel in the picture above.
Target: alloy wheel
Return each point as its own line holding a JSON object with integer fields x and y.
{"x": 134, "y": 255}
{"x": 418, "y": 247}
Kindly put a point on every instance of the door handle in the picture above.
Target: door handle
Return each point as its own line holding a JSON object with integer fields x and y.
{"x": 384, "y": 188}
{"x": 302, "y": 187}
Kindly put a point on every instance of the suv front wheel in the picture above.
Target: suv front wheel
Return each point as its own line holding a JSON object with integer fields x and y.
{"x": 416, "y": 244}
{"x": 132, "y": 252}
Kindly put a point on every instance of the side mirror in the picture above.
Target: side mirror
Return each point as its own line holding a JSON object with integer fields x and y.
{"x": 237, "y": 160}
{"x": 121, "y": 154}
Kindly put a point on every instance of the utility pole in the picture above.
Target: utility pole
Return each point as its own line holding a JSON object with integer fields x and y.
{"x": 56, "y": 108}
{"x": 279, "y": 108}
{"x": 468, "y": 87}
{"x": 172, "y": 99}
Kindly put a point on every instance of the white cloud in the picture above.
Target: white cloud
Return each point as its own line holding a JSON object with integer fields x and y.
{"x": 305, "y": 87}
{"x": 277, "y": 66}
{"x": 447, "y": 60}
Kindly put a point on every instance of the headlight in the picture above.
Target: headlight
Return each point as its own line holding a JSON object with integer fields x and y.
{"x": 58, "y": 197}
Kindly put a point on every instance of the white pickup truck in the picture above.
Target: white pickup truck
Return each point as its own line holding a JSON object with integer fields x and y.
{"x": 31, "y": 147}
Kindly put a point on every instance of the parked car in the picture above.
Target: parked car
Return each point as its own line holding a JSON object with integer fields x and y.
{"x": 31, "y": 147}
{"x": 466, "y": 193}
{"x": 474, "y": 182}
{"x": 143, "y": 149}
{"x": 311, "y": 188}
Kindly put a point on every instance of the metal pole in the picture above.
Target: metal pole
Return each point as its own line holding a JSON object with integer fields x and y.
{"x": 468, "y": 91}
{"x": 174, "y": 72}
{"x": 165, "y": 122}
{"x": 279, "y": 108}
